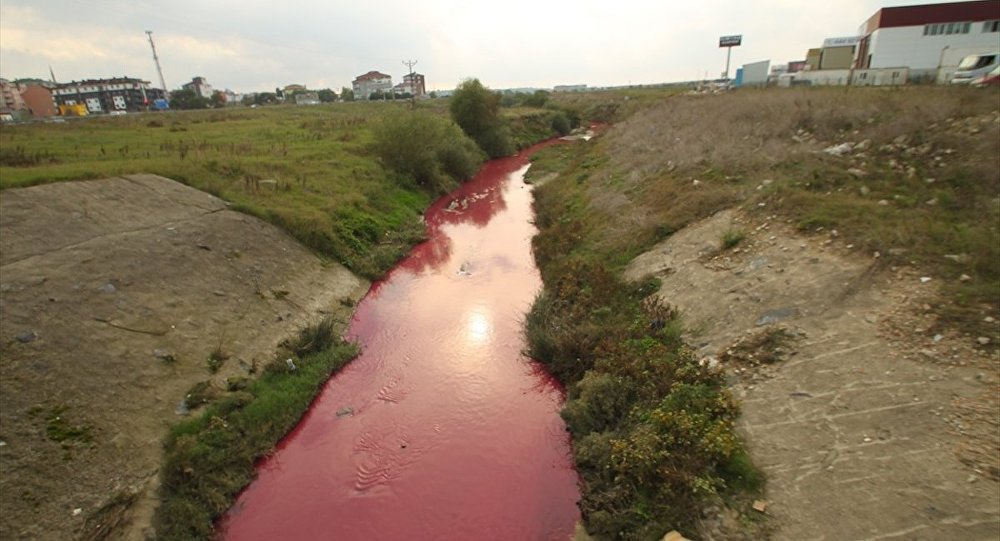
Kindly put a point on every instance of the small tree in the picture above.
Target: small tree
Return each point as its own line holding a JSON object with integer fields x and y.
{"x": 346, "y": 94}
{"x": 187, "y": 99}
{"x": 265, "y": 98}
{"x": 326, "y": 95}
{"x": 218, "y": 99}
{"x": 476, "y": 110}
{"x": 537, "y": 99}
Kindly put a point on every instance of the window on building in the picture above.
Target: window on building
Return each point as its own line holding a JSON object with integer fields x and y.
{"x": 991, "y": 26}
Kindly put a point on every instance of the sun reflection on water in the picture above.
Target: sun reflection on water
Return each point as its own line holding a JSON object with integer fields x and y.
{"x": 478, "y": 326}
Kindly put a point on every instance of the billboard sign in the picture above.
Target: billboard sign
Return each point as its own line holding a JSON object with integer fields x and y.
{"x": 841, "y": 42}
{"x": 730, "y": 41}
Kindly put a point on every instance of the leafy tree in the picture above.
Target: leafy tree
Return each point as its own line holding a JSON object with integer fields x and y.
{"x": 187, "y": 99}
{"x": 433, "y": 94}
{"x": 537, "y": 99}
{"x": 475, "y": 109}
{"x": 346, "y": 94}
{"x": 218, "y": 99}
{"x": 265, "y": 98}
{"x": 509, "y": 99}
{"x": 326, "y": 95}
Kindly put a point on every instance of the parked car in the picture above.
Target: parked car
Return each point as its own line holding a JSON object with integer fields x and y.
{"x": 975, "y": 66}
{"x": 990, "y": 79}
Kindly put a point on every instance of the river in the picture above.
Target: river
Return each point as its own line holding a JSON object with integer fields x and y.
{"x": 441, "y": 429}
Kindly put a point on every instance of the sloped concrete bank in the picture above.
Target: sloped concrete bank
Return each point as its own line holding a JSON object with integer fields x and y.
{"x": 114, "y": 294}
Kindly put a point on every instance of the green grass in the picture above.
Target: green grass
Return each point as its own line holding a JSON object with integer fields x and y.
{"x": 313, "y": 171}
{"x": 211, "y": 457}
{"x": 731, "y": 238}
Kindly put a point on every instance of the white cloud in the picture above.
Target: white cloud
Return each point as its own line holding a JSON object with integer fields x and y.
{"x": 252, "y": 45}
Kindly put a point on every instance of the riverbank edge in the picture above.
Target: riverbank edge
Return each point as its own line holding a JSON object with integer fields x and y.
{"x": 209, "y": 459}
{"x": 652, "y": 429}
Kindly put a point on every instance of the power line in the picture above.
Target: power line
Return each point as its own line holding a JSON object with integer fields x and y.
{"x": 413, "y": 91}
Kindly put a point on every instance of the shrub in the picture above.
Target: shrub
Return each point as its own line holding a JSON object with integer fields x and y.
{"x": 475, "y": 109}
{"x": 731, "y": 238}
{"x": 561, "y": 123}
{"x": 426, "y": 147}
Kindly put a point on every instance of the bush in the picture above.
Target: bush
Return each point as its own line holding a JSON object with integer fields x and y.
{"x": 429, "y": 149}
{"x": 475, "y": 109}
{"x": 561, "y": 123}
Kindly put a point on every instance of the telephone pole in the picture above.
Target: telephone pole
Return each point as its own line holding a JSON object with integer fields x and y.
{"x": 413, "y": 92}
{"x": 156, "y": 59}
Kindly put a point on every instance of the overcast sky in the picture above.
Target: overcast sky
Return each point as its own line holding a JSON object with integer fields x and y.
{"x": 248, "y": 45}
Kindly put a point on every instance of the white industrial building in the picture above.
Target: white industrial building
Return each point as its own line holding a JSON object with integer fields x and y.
{"x": 929, "y": 39}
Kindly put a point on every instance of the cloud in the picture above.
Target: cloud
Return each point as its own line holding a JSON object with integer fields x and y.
{"x": 252, "y": 45}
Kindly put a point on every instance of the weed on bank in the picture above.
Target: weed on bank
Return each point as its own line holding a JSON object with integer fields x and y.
{"x": 210, "y": 458}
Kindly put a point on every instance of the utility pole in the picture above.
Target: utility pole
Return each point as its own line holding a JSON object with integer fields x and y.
{"x": 413, "y": 94}
{"x": 157, "y": 60}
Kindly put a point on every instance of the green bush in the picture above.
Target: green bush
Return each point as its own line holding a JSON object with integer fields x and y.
{"x": 561, "y": 124}
{"x": 476, "y": 110}
{"x": 427, "y": 148}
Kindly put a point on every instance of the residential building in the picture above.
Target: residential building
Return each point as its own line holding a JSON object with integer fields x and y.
{"x": 39, "y": 100}
{"x": 106, "y": 95}
{"x": 373, "y": 81}
{"x": 199, "y": 86}
{"x": 10, "y": 97}
{"x": 928, "y": 39}
{"x": 415, "y": 83}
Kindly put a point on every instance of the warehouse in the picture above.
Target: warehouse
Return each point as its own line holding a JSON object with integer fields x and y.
{"x": 925, "y": 38}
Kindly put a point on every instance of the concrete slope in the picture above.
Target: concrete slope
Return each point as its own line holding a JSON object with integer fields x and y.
{"x": 113, "y": 294}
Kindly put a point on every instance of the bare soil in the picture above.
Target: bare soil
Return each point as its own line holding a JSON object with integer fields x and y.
{"x": 873, "y": 426}
{"x": 114, "y": 293}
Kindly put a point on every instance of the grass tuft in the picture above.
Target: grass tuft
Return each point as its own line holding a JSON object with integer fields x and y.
{"x": 210, "y": 458}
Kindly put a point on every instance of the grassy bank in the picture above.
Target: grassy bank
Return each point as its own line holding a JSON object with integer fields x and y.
{"x": 653, "y": 435}
{"x": 917, "y": 182}
{"x": 314, "y": 171}
{"x": 211, "y": 457}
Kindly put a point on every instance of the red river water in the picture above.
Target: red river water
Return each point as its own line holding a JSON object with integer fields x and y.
{"x": 441, "y": 429}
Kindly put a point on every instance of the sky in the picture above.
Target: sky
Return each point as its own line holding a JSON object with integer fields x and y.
{"x": 248, "y": 45}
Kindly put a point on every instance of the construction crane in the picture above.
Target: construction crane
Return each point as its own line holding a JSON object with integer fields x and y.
{"x": 156, "y": 59}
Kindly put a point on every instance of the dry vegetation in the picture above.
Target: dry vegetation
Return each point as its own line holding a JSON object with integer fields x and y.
{"x": 907, "y": 177}
{"x": 917, "y": 182}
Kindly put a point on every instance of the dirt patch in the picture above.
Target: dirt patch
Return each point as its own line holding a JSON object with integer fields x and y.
{"x": 867, "y": 426}
{"x": 118, "y": 296}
